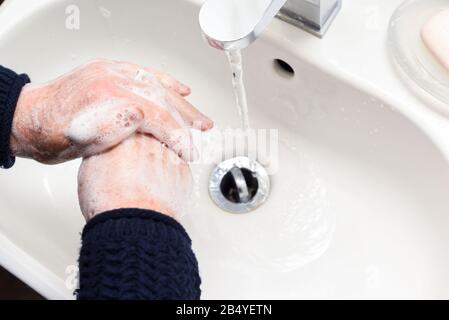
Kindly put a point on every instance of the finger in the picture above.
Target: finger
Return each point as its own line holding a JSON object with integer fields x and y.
{"x": 131, "y": 70}
{"x": 151, "y": 91}
{"x": 156, "y": 96}
{"x": 163, "y": 120}
{"x": 174, "y": 136}
{"x": 191, "y": 115}
{"x": 181, "y": 174}
{"x": 173, "y": 84}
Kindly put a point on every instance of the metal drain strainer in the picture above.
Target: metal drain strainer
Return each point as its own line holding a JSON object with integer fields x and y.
{"x": 239, "y": 185}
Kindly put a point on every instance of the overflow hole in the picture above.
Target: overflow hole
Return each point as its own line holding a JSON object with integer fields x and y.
{"x": 283, "y": 68}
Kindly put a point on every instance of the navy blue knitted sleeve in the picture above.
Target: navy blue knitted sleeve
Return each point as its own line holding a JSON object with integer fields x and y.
{"x": 11, "y": 85}
{"x": 137, "y": 254}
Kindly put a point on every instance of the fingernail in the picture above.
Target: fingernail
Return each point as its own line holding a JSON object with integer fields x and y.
{"x": 203, "y": 124}
{"x": 184, "y": 90}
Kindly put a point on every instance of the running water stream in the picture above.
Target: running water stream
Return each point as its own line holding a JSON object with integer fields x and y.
{"x": 235, "y": 61}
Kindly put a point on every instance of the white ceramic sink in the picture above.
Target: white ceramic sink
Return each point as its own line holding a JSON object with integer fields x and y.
{"x": 359, "y": 207}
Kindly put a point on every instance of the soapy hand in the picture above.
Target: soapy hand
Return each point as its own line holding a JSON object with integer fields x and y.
{"x": 98, "y": 105}
{"x": 138, "y": 173}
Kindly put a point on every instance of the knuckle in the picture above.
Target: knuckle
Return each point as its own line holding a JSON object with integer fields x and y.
{"x": 98, "y": 63}
{"x": 103, "y": 84}
{"x": 129, "y": 115}
{"x": 165, "y": 117}
{"x": 135, "y": 113}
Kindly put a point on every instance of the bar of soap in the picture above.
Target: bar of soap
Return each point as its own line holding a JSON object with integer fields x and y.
{"x": 435, "y": 34}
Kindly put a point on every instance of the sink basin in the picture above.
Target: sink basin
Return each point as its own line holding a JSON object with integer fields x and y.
{"x": 358, "y": 207}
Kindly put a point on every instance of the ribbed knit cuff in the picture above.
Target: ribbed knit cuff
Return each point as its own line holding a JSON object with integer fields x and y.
{"x": 137, "y": 254}
{"x": 11, "y": 85}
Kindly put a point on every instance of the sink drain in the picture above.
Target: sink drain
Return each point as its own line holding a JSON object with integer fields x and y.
{"x": 239, "y": 185}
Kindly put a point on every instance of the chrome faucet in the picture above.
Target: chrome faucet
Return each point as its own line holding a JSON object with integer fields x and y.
{"x": 235, "y": 24}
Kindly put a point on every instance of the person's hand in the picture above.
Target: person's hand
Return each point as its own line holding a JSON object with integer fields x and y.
{"x": 98, "y": 105}
{"x": 138, "y": 173}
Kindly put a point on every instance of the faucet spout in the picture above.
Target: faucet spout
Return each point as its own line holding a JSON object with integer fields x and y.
{"x": 235, "y": 24}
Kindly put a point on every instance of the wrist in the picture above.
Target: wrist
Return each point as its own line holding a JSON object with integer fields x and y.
{"x": 17, "y": 135}
{"x": 146, "y": 204}
{"x": 11, "y": 85}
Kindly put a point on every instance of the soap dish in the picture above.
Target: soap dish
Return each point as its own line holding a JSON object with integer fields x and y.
{"x": 412, "y": 58}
